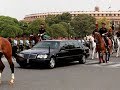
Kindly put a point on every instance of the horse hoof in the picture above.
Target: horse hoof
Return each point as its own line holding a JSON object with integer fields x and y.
{"x": 11, "y": 82}
{"x": 103, "y": 61}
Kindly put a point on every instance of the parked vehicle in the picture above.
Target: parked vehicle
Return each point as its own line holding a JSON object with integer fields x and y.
{"x": 51, "y": 52}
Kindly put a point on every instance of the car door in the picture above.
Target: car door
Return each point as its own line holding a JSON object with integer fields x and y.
{"x": 75, "y": 50}
{"x": 63, "y": 53}
{"x": 72, "y": 50}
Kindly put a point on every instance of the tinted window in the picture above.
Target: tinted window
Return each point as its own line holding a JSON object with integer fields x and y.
{"x": 81, "y": 45}
{"x": 76, "y": 43}
{"x": 63, "y": 43}
{"x": 46, "y": 44}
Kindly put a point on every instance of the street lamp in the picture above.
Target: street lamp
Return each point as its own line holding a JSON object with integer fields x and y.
{"x": 68, "y": 31}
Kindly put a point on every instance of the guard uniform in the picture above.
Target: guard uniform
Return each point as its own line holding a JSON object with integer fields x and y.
{"x": 21, "y": 45}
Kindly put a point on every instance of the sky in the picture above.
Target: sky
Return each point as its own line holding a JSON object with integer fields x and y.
{"x": 19, "y": 8}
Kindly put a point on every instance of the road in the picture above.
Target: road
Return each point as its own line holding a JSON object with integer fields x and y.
{"x": 73, "y": 76}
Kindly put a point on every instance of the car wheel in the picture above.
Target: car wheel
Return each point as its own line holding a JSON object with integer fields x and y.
{"x": 83, "y": 60}
{"x": 52, "y": 63}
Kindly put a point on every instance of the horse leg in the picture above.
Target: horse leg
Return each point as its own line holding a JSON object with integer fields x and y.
{"x": 93, "y": 52}
{"x": 12, "y": 68}
{"x": 100, "y": 58}
{"x": 97, "y": 55}
{"x": 118, "y": 51}
{"x": 108, "y": 56}
{"x": 2, "y": 66}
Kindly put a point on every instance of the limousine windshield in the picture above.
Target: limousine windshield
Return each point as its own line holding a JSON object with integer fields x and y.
{"x": 47, "y": 44}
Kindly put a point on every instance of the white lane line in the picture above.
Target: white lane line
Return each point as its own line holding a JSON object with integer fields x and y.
{"x": 107, "y": 65}
{"x": 115, "y": 65}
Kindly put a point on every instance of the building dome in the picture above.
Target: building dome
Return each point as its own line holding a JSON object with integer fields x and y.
{"x": 97, "y": 9}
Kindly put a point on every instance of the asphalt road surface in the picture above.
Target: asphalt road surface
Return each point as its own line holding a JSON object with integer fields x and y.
{"x": 73, "y": 76}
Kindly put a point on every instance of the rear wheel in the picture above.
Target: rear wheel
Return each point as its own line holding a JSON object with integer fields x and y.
{"x": 52, "y": 63}
{"x": 82, "y": 60}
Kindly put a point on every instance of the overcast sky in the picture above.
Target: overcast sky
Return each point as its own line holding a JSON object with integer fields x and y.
{"x": 19, "y": 8}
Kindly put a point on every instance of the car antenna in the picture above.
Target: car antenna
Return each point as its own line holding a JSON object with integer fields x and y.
{"x": 49, "y": 49}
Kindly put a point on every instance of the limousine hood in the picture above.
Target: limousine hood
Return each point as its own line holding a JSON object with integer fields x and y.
{"x": 37, "y": 51}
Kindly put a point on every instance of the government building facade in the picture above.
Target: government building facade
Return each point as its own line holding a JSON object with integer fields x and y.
{"x": 113, "y": 16}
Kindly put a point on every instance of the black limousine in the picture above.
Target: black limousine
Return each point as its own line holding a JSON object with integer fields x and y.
{"x": 51, "y": 52}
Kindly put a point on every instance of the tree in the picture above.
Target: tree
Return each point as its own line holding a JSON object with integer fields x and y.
{"x": 24, "y": 26}
{"x": 51, "y": 19}
{"x": 83, "y": 24}
{"x": 99, "y": 21}
{"x": 9, "y": 27}
{"x": 58, "y": 30}
{"x": 66, "y": 17}
{"x": 34, "y": 26}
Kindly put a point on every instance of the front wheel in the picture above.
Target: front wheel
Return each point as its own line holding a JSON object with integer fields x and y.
{"x": 82, "y": 60}
{"x": 52, "y": 63}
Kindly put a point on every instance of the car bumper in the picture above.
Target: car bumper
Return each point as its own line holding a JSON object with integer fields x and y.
{"x": 21, "y": 60}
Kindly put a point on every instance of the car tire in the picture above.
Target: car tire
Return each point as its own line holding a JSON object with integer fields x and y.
{"x": 82, "y": 60}
{"x": 52, "y": 63}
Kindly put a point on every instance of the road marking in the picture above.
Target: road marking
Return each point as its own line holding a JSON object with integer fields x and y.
{"x": 116, "y": 65}
{"x": 108, "y": 65}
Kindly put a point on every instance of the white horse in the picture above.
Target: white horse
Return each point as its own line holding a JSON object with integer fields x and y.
{"x": 92, "y": 46}
{"x": 118, "y": 44}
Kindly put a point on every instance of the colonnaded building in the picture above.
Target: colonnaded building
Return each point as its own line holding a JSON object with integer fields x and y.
{"x": 113, "y": 16}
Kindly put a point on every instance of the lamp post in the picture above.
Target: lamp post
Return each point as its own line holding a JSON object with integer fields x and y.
{"x": 68, "y": 31}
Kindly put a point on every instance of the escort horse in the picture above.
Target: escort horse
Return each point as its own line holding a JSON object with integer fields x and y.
{"x": 101, "y": 48}
{"x": 6, "y": 50}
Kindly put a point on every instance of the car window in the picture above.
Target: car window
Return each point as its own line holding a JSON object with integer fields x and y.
{"x": 63, "y": 43}
{"x": 46, "y": 44}
{"x": 81, "y": 45}
{"x": 76, "y": 43}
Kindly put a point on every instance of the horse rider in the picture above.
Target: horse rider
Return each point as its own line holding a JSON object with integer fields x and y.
{"x": 42, "y": 31}
{"x": 104, "y": 32}
{"x": 96, "y": 29}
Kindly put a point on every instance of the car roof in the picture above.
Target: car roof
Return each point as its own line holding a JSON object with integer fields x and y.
{"x": 59, "y": 40}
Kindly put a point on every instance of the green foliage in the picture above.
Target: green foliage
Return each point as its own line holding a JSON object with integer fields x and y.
{"x": 34, "y": 26}
{"x": 103, "y": 20}
{"x": 56, "y": 26}
{"x": 9, "y": 27}
{"x": 83, "y": 25}
{"x": 58, "y": 30}
{"x": 51, "y": 19}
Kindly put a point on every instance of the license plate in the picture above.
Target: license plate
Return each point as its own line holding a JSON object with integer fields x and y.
{"x": 27, "y": 60}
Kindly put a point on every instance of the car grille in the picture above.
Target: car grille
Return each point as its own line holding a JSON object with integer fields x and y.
{"x": 30, "y": 56}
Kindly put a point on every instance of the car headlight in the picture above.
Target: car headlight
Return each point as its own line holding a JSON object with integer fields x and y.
{"x": 42, "y": 56}
{"x": 21, "y": 55}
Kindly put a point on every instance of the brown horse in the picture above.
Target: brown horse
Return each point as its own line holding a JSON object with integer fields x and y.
{"x": 6, "y": 50}
{"x": 101, "y": 47}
